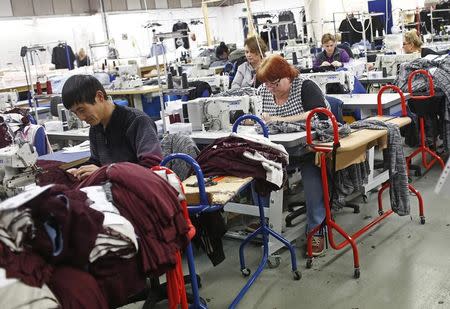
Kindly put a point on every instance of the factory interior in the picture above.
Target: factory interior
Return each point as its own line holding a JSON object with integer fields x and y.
{"x": 198, "y": 154}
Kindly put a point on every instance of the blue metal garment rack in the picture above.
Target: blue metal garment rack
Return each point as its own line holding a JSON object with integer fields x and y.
{"x": 204, "y": 206}
{"x": 264, "y": 230}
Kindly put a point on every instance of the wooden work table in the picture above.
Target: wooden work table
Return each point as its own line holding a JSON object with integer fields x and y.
{"x": 218, "y": 194}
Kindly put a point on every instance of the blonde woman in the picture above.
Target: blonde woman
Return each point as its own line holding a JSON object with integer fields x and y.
{"x": 413, "y": 44}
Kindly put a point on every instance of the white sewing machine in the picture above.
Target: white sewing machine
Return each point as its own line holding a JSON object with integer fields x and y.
{"x": 390, "y": 62}
{"x": 218, "y": 113}
{"x": 17, "y": 168}
{"x": 345, "y": 78}
{"x": 8, "y": 99}
{"x": 302, "y": 50}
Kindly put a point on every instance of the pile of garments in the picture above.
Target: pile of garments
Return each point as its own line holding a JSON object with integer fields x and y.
{"x": 107, "y": 234}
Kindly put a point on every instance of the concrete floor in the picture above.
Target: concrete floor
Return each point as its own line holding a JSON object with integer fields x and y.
{"x": 403, "y": 265}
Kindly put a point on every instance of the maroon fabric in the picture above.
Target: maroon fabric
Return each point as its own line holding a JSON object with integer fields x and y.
{"x": 152, "y": 206}
{"x": 225, "y": 157}
{"x": 78, "y": 223}
{"x": 118, "y": 278}
{"x": 5, "y": 137}
{"x": 76, "y": 289}
{"x": 52, "y": 174}
{"x": 149, "y": 160}
{"x": 26, "y": 266}
{"x": 21, "y": 111}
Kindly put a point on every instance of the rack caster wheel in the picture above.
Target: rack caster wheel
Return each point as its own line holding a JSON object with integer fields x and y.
{"x": 357, "y": 273}
{"x": 273, "y": 261}
{"x": 422, "y": 220}
{"x": 380, "y": 212}
{"x": 356, "y": 209}
{"x": 246, "y": 272}
{"x": 309, "y": 263}
{"x": 297, "y": 275}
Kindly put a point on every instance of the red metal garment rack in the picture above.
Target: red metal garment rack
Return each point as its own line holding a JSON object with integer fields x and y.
{"x": 423, "y": 148}
{"x": 329, "y": 221}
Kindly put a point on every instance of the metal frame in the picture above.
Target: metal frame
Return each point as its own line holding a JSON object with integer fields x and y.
{"x": 423, "y": 149}
{"x": 329, "y": 221}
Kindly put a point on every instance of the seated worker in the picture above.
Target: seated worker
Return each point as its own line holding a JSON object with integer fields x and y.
{"x": 286, "y": 96}
{"x": 117, "y": 133}
{"x": 413, "y": 44}
{"x": 82, "y": 59}
{"x": 222, "y": 53}
{"x": 255, "y": 50}
{"x": 331, "y": 55}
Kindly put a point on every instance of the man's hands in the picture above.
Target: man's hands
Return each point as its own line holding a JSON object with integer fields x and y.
{"x": 83, "y": 171}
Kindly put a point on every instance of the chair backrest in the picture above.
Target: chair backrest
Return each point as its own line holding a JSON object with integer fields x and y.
{"x": 336, "y": 108}
{"x": 358, "y": 87}
{"x": 40, "y": 141}
{"x": 347, "y": 48}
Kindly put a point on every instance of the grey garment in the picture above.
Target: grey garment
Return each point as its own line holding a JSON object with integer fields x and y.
{"x": 179, "y": 143}
{"x": 245, "y": 76}
{"x": 348, "y": 181}
{"x": 236, "y": 54}
{"x": 398, "y": 177}
{"x": 322, "y": 128}
{"x": 129, "y": 135}
{"x": 250, "y": 91}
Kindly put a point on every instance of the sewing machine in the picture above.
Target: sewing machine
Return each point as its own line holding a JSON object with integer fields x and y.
{"x": 345, "y": 78}
{"x": 303, "y": 52}
{"x": 17, "y": 168}
{"x": 8, "y": 99}
{"x": 218, "y": 113}
{"x": 391, "y": 62}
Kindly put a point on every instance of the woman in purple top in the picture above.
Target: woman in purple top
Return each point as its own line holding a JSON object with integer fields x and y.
{"x": 331, "y": 55}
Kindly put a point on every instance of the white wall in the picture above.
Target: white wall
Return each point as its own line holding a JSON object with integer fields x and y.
{"x": 225, "y": 22}
{"x": 77, "y": 31}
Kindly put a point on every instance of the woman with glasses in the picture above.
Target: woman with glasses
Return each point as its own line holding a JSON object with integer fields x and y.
{"x": 331, "y": 54}
{"x": 413, "y": 44}
{"x": 288, "y": 97}
{"x": 255, "y": 49}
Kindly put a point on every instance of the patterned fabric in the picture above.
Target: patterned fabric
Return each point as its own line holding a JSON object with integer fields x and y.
{"x": 398, "y": 177}
{"x": 250, "y": 91}
{"x": 179, "y": 143}
{"x": 293, "y": 106}
{"x": 322, "y": 128}
{"x": 348, "y": 181}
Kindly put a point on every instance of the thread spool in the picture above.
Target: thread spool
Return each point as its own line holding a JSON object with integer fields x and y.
{"x": 169, "y": 81}
{"x": 184, "y": 81}
{"x": 49, "y": 87}
{"x": 38, "y": 88}
{"x": 180, "y": 70}
{"x": 294, "y": 58}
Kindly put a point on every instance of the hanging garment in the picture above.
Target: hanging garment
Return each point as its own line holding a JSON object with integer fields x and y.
{"x": 349, "y": 28}
{"x": 399, "y": 193}
{"x": 63, "y": 57}
{"x": 289, "y": 31}
{"x": 184, "y": 29}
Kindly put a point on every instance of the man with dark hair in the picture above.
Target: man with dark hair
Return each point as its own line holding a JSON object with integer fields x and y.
{"x": 117, "y": 133}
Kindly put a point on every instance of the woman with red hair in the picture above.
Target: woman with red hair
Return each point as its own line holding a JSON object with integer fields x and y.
{"x": 286, "y": 96}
